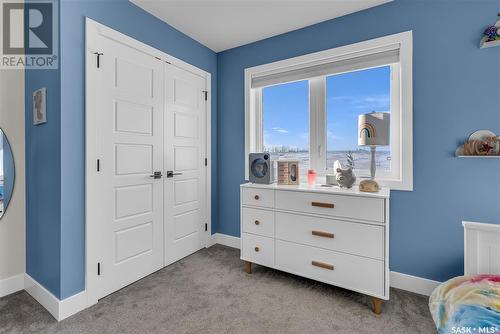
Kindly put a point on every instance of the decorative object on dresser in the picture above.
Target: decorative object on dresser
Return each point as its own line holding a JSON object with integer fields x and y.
{"x": 345, "y": 177}
{"x": 491, "y": 36}
{"x": 369, "y": 186}
{"x": 481, "y": 143}
{"x": 374, "y": 130}
{"x": 261, "y": 168}
{"x": 311, "y": 177}
{"x": 332, "y": 235}
{"x": 288, "y": 172}
{"x": 331, "y": 179}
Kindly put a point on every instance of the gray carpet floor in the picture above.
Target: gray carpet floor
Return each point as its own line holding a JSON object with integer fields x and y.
{"x": 208, "y": 292}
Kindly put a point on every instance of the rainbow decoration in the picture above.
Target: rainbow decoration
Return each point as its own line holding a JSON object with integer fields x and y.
{"x": 367, "y": 130}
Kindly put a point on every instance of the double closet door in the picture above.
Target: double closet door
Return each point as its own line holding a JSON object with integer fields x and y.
{"x": 150, "y": 178}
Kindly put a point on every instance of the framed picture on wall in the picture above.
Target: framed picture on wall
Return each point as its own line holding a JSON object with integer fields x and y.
{"x": 40, "y": 106}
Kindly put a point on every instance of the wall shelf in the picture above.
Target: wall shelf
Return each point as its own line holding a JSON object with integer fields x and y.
{"x": 478, "y": 156}
{"x": 484, "y": 41}
{"x": 491, "y": 44}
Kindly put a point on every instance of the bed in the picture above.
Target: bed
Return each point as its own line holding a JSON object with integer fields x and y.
{"x": 471, "y": 303}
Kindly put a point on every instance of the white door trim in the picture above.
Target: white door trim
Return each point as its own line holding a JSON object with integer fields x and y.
{"x": 94, "y": 30}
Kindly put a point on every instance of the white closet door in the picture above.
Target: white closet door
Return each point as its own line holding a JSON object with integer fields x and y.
{"x": 185, "y": 147}
{"x": 130, "y": 89}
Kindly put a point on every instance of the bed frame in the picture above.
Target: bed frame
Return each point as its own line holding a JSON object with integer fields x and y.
{"x": 481, "y": 248}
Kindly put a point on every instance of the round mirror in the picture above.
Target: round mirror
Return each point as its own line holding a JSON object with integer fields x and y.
{"x": 6, "y": 173}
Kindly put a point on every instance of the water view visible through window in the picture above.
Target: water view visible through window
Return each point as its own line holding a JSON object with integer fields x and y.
{"x": 285, "y": 112}
{"x": 286, "y": 122}
{"x": 348, "y": 96}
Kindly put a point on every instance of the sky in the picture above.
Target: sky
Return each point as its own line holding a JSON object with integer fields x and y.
{"x": 285, "y": 108}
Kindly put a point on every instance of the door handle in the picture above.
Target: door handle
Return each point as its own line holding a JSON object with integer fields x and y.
{"x": 172, "y": 174}
{"x": 156, "y": 175}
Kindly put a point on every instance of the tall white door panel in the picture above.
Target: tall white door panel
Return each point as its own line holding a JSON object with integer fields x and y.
{"x": 129, "y": 86}
{"x": 184, "y": 163}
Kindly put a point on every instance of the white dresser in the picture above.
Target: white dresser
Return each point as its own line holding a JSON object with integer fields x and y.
{"x": 336, "y": 236}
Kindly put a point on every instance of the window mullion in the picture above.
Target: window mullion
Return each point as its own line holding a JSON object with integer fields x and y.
{"x": 317, "y": 123}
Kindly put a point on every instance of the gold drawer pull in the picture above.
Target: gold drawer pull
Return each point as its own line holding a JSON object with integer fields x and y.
{"x": 323, "y": 234}
{"x": 256, "y": 197}
{"x": 257, "y": 249}
{"x": 257, "y": 222}
{"x": 323, "y": 205}
{"x": 322, "y": 265}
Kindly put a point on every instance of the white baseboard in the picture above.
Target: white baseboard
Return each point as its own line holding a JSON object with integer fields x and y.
{"x": 401, "y": 281}
{"x": 11, "y": 284}
{"x": 411, "y": 283}
{"x": 59, "y": 309}
{"x": 226, "y": 240}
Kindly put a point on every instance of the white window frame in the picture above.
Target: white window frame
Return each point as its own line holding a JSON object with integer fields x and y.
{"x": 401, "y": 176}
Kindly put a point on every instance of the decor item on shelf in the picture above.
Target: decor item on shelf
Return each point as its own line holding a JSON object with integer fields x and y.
{"x": 481, "y": 143}
{"x": 345, "y": 177}
{"x": 288, "y": 172}
{"x": 374, "y": 130}
{"x": 311, "y": 177}
{"x": 40, "y": 106}
{"x": 261, "y": 168}
{"x": 491, "y": 36}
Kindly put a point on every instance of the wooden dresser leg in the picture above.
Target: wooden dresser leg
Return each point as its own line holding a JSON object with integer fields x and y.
{"x": 377, "y": 305}
{"x": 248, "y": 267}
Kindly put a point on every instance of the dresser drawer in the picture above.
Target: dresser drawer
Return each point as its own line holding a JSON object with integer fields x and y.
{"x": 348, "y": 271}
{"x": 257, "y": 221}
{"x": 257, "y": 197}
{"x": 354, "y": 207}
{"x": 257, "y": 249}
{"x": 353, "y": 238}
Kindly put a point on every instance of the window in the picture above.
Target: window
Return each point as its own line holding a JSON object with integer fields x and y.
{"x": 306, "y": 108}
{"x": 285, "y": 118}
{"x": 347, "y": 96}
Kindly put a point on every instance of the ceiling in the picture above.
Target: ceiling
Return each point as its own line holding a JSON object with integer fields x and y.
{"x": 225, "y": 24}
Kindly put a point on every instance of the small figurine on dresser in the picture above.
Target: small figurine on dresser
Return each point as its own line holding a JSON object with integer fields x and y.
{"x": 345, "y": 176}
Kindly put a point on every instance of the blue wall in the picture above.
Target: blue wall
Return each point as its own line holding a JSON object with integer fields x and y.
{"x": 43, "y": 182}
{"x": 456, "y": 89}
{"x": 55, "y": 152}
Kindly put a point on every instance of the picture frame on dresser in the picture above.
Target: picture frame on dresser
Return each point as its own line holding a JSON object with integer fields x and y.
{"x": 319, "y": 233}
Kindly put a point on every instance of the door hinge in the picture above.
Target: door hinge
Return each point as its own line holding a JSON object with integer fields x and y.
{"x": 98, "y": 165}
{"x": 165, "y": 61}
{"x": 206, "y": 227}
{"x": 98, "y": 54}
{"x": 98, "y": 268}
{"x": 206, "y": 94}
{"x": 206, "y": 162}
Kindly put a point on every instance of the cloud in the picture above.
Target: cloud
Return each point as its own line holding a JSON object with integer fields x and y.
{"x": 279, "y": 130}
